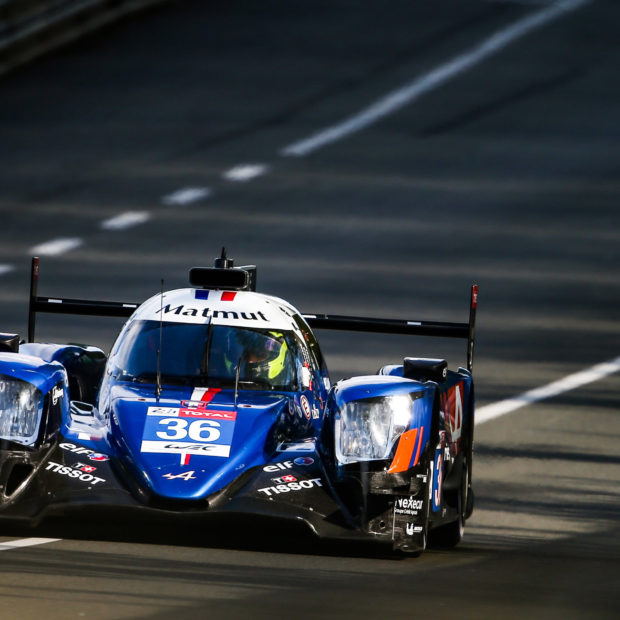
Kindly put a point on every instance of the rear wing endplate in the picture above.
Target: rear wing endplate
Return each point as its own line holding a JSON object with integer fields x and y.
{"x": 87, "y": 307}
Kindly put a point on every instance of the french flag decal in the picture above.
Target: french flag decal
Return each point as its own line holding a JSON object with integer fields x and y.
{"x": 185, "y": 458}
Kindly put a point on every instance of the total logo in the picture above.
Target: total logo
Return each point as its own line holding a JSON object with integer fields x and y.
{"x": 291, "y": 486}
{"x": 73, "y": 472}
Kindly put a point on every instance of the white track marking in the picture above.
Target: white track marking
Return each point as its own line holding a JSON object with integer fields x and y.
{"x": 245, "y": 172}
{"x": 427, "y": 82}
{"x": 25, "y": 542}
{"x": 56, "y": 246}
{"x": 126, "y": 220}
{"x": 4, "y": 268}
{"x": 186, "y": 196}
{"x": 570, "y": 382}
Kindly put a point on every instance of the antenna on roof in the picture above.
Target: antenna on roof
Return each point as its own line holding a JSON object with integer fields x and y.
{"x": 237, "y": 372}
{"x": 161, "y": 331}
{"x": 223, "y": 262}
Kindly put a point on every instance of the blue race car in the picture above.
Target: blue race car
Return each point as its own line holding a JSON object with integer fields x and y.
{"x": 215, "y": 401}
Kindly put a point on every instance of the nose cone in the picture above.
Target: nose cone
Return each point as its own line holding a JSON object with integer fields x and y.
{"x": 185, "y": 450}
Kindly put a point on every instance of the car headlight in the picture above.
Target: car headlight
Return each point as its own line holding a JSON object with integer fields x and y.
{"x": 366, "y": 429}
{"x": 20, "y": 410}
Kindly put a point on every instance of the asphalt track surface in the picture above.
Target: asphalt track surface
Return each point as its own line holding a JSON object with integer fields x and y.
{"x": 507, "y": 175}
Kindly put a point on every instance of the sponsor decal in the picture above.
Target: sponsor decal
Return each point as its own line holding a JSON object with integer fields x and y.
{"x": 315, "y": 413}
{"x": 452, "y": 405}
{"x": 205, "y": 313}
{"x": 437, "y": 481}
{"x": 73, "y": 472}
{"x": 409, "y": 528}
{"x": 89, "y": 469}
{"x": 291, "y": 486}
{"x": 91, "y": 454}
{"x": 284, "y": 465}
{"x": 192, "y": 412}
{"x": 186, "y": 475}
{"x": 408, "y": 505}
{"x": 305, "y": 406}
{"x": 164, "y": 447}
{"x": 186, "y": 430}
{"x": 296, "y": 447}
{"x": 97, "y": 456}
{"x": 287, "y": 478}
{"x": 57, "y": 393}
{"x": 278, "y": 466}
{"x": 71, "y": 447}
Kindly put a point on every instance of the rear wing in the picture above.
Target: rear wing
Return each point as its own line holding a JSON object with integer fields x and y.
{"x": 87, "y": 307}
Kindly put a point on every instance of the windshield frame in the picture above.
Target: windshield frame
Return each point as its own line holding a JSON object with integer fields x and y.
{"x": 134, "y": 356}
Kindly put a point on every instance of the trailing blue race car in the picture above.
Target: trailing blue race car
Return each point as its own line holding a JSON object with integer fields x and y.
{"x": 215, "y": 401}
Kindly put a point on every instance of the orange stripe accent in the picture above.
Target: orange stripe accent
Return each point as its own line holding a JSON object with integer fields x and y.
{"x": 417, "y": 452}
{"x": 402, "y": 458}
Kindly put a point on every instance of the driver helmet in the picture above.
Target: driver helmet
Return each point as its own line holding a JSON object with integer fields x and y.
{"x": 264, "y": 355}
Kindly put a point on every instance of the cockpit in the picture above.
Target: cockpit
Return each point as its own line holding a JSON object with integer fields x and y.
{"x": 207, "y": 355}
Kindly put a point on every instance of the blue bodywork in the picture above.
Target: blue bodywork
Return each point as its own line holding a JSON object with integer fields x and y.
{"x": 213, "y": 426}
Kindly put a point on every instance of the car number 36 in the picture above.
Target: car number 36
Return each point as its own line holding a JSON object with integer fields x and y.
{"x": 197, "y": 430}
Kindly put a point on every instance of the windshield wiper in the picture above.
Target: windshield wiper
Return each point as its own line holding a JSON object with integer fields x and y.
{"x": 204, "y": 367}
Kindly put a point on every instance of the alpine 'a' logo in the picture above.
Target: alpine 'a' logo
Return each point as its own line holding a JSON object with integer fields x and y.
{"x": 207, "y": 312}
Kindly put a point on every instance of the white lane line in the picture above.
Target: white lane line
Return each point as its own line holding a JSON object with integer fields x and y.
{"x": 427, "y": 82}
{"x": 570, "y": 382}
{"x": 245, "y": 172}
{"x": 25, "y": 542}
{"x": 5, "y": 268}
{"x": 186, "y": 196}
{"x": 56, "y": 246}
{"x": 126, "y": 220}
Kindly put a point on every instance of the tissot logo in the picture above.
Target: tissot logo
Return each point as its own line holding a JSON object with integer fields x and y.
{"x": 184, "y": 310}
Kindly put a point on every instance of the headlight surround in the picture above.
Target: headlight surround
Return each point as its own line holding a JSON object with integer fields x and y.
{"x": 21, "y": 406}
{"x": 366, "y": 429}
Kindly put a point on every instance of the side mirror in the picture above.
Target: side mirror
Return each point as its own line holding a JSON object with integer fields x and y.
{"x": 9, "y": 343}
{"x": 425, "y": 369}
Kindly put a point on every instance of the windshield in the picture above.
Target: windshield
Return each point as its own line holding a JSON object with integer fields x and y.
{"x": 206, "y": 355}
